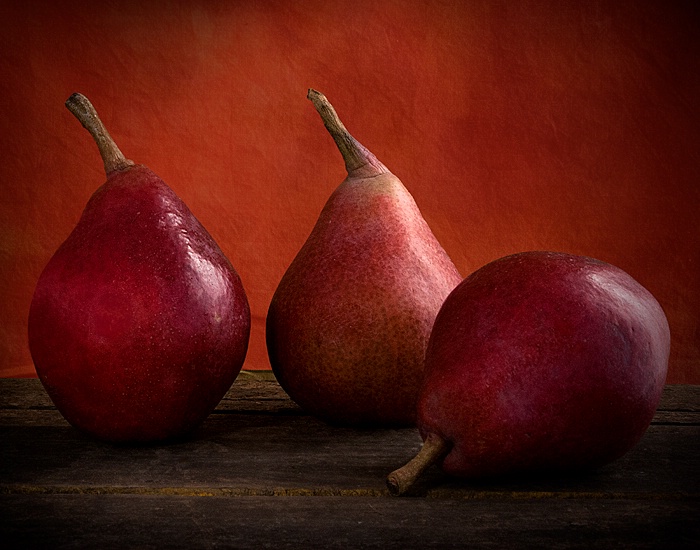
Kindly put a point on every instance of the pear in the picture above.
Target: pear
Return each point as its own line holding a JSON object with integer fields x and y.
{"x": 348, "y": 325}
{"x": 539, "y": 362}
{"x": 139, "y": 324}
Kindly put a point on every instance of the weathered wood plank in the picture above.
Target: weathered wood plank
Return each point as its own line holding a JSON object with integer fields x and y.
{"x": 261, "y": 454}
{"x": 678, "y": 418}
{"x": 261, "y": 392}
{"x": 32, "y": 417}
{"x": 679, "y": 397}
{"x": 23, "y": 393}
{"x": 131, "y": 521}
{"x": 238, "y": 480}
{"x": 258, "y": 442}
{"x": 247, "y": 393}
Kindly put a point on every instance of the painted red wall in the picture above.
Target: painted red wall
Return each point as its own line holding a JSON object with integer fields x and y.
{"x": 569, "y": 126}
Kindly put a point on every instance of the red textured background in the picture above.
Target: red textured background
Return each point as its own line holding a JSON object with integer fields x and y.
{"x": 570, "y": 126}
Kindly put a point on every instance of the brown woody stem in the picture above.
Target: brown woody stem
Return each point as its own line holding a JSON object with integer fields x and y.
{"x": 356, "y": 156}
{"x": 434, "y": 448}
{"x": 83, "y": 110}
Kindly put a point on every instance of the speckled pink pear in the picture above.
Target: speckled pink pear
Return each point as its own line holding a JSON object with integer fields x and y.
{"x": 139, "y": 324}
{"x": 349, "y": 322}
{"x": 539, "y": 362}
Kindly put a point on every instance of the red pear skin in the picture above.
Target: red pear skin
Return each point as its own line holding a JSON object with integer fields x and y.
{"x": 139, "y": 324}
{"x": 349, "y": 322}
{"x": 540, "y": 362}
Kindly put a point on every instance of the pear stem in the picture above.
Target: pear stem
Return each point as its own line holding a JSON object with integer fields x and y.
{"x": 83, "y": 110}
{"x": 434, "y": 448}
{"x": 356, "y": 156}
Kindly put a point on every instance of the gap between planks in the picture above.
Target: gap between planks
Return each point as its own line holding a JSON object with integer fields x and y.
{"x": 333, "y": 492}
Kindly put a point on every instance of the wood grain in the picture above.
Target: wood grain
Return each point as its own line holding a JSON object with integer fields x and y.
{"x": 128, "y": 521}
{"x": 262, "y": 473}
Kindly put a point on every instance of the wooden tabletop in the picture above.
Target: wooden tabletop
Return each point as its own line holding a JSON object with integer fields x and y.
{"x": 260, "y": 473}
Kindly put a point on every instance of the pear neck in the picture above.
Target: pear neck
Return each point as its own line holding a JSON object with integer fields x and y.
{"x": 359, "y": 161}
{"x": 83, "y": 110}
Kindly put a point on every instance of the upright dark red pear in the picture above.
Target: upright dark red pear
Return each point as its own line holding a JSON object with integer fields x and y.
{"x": 539, "y": 362}
{"x": 139, "y": 324}
{"x": 349, "y": 322}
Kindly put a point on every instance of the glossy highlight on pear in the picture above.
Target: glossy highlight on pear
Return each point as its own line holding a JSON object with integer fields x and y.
{"x": 139, "y": 324}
